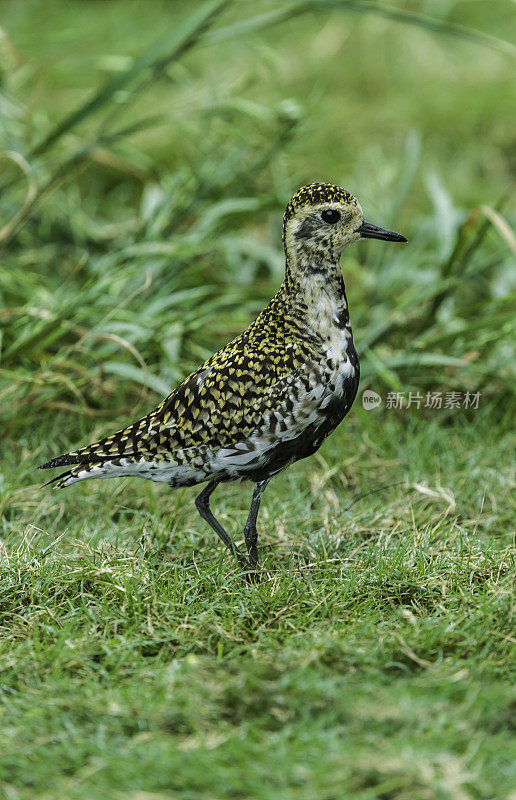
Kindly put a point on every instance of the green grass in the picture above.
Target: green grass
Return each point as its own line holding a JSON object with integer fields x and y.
{"x": 142, "y": 180}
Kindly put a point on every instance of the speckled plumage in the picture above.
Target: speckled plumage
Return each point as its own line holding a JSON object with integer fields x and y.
{"x": 269, "y": 397}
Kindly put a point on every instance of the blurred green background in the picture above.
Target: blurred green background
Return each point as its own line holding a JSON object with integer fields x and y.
{"x": 174, "y": 178}
{"x": 148, "y": 151}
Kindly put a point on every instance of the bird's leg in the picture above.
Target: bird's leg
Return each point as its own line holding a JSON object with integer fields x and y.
{"x": 250, "y": 532}
{"x": 202, "y": 502}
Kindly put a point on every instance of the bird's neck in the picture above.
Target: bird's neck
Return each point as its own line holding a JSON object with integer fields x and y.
{"x": 315, "y": 291}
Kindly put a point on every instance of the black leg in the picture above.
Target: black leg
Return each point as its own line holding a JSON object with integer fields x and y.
{"x": 250, "y": 532}
{"x": 202, "y": 501}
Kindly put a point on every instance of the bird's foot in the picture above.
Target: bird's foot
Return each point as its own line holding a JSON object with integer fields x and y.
{"x": 252, "y": 577}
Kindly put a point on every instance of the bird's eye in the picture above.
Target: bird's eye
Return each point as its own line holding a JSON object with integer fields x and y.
{"x": 330, "y": 215}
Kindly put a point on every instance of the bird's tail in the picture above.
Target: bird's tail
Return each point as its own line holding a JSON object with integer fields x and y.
{"x": 60, "y": 481}
{"x": 88, "y": 462}
{"x": 101, "y": 459}
{"x": 64, "y": 460}
{"x": 76, "y": 458}
{"x": 84, "y": 466}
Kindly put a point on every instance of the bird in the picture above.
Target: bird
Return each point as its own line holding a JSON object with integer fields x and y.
{"x": 268, "y": 398}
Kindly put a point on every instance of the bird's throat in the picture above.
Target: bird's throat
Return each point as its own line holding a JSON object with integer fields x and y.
{"x": 317, "y": 292}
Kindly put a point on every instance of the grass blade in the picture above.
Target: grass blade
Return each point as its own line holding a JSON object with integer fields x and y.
{"x": 417, "y": 19}
{"x": 161, "y": 54}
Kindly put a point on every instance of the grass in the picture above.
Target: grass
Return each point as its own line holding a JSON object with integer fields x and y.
{"x": 143, "y": 178}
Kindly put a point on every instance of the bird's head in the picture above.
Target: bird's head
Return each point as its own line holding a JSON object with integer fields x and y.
{"x": 321, "y": 220}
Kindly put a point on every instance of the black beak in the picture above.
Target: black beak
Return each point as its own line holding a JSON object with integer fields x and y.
{"x": 369, "y": 231}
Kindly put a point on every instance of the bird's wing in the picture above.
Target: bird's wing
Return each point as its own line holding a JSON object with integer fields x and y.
{"x": 220, "y": 403}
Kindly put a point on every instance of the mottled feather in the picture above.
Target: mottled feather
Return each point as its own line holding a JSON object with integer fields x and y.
{"x": 268, "y": 397}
